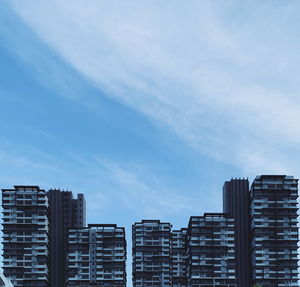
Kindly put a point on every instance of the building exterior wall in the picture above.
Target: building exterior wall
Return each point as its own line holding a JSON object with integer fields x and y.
{"x": 236, "y": 204}
{"x": 4, "y": 282}
{"x": 25, "y": 236}
{"x": 64, "y": 212}
{"x": 79, "y": 211}
{"x": 96, "y": 256}
{"x": 178, "y": 257}
{"x": 274, "y": 231}
{"x": 211, "y": 251}
{"x": 59, "y": 218}
{"x": 151, "y": 253}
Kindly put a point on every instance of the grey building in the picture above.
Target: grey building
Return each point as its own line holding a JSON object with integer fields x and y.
{"x": 64, "y": 212}
{"x": 178, "y": 257}
{"x": 211, "y": 251}
{"x": 274, "y": 230}
{"x": 96, "y": 256}
{"x": 236, "y": 204}
{"x": 151, "y": 253}
{"x": 25, "y": 236}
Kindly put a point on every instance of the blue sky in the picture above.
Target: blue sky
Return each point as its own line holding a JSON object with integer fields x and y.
{"x": 147, "y": 107}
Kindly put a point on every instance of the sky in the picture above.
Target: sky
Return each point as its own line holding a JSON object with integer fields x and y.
{"x": 147, "y": 107}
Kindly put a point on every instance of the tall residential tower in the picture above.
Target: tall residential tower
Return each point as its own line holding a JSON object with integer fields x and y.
{"x": 25, "y": 236}
{"x": 64, "y": 212}
{"x": 151, "y": 253}
{"x": 274, "y": 230}
{"x": 236, "y": 204}
{"x": 211, "y": 251}
{"x": 97, "y": 256}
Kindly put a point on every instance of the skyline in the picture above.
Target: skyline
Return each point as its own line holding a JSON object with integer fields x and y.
{"x": 262, "y": 239}
{"x": 79, "y": 122}
{"x": 140, "y": 103}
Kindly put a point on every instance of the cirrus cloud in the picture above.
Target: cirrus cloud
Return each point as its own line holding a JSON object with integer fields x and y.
{"x": 222, "y": 76}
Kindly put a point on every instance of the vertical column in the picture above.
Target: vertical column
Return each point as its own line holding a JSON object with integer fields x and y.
{"x": 236, "y": 202}
{"x": 93, "y": 255}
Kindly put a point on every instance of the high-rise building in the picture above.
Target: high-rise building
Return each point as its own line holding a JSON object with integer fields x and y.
{"x": 151, "y": 253}
{"x": 211, "y": 251}
{"x": 64, "y": 212}
{"x": 96, "y": 256}
{"x": 236, "y": 204}
{"x": 79, "y": 211}
{"x": 274, "y": 231}
{"x": 254, "y": 241}
{"x": 25, "y": 236}
{"x": 178, "y": 257}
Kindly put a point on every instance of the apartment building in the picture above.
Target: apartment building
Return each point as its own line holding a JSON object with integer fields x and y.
{"x": 151, "y": 254}
{"x": 96, "y": 256}
{"x": 274, "y": 230}
{"x": 65, "y": 212}
{"x": 236, "y": 204}
{"x": 25, "y": 236}
{"x": 210, "y": 251}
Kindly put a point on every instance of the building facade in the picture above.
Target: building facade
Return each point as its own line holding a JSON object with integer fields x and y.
{"x": 274, "y": 231}
{"x": 211, "y": 251}
{"x": 254, "y": 241}
{"x": 65, "y": 212}
{"x": 25, "y": 236}
{"x": 4, "y": 282}
{"x": 96, "y": 256}
{"x": 151, "y": 254}
{"x": 178, "y": 257}
{"x": 236, "y": 204}
{"x": 79, "y": 211}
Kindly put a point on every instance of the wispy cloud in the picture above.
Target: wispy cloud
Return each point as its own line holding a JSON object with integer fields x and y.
{"x": 225, "y": 80}
{"x": 223, "y": 76}
{"x": 107, "y": 184}
{"x": 152, "y": 199}
{"x": 134, "y": 187}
